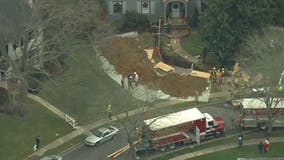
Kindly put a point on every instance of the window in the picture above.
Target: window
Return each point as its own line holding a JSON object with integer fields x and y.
{"x": 211, "y": 123}
{"x": 117, "y": 7}
{"x": 106, "y": 134}
{"x": 145, "y": 7}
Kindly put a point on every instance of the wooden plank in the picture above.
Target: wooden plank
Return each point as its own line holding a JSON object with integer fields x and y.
{"x": 149, "y": 53}
{"x": 200, "y": 74}
{"x": 163, "y": 66}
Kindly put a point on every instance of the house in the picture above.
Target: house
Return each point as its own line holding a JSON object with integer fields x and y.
{"x": 167, "y": 9}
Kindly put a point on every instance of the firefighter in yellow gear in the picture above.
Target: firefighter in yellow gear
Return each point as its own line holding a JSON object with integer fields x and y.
{"x": 223, "y": 71}
{"x": 280, "y": 88}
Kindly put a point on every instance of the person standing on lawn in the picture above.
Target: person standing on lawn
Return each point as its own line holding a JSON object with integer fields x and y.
{"x": 109, "y": 111}
{"x": 266, "y": 144}
{"x": 260, "y": 147}
{"x": 240, "y": 141}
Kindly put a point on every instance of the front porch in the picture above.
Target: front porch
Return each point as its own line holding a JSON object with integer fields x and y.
{"x": 175, "y": 11}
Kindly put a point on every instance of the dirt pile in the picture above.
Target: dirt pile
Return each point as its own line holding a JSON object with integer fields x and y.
{"x": 128, "y": 56}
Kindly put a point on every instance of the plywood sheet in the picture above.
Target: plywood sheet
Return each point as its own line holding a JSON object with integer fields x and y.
{"x": 163, "y": 66}
{"x": 200, "y": 74}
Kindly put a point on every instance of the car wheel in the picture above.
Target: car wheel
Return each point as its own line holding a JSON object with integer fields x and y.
{"x": 98, "y": 143}
{"x": 217, "y": 134}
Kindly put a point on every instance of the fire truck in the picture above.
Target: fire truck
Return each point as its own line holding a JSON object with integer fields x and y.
{"x": 254, "y": 113}
{"x": 179, "y": 128}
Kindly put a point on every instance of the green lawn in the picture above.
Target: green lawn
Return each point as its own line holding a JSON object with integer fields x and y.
{"x": 84, "y": 89}
{"x": 276, "y": 150}
{"x": 17, "y": 136}
{"x": 192, "y": 44}
{"x": 60, "y": 149}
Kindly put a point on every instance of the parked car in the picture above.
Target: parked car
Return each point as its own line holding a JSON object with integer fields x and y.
{"x": 101, "y": 135}
{"x": 51, "y": 157}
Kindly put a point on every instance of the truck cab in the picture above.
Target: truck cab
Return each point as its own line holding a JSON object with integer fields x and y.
{"x": 215, "y": 126}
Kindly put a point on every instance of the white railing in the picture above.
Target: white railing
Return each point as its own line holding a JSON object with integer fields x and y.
{"x": 70, "y": 120}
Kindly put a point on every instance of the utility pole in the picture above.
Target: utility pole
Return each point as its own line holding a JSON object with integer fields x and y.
{"x": 159, "y": 34}
{"x": 159, "y": 40}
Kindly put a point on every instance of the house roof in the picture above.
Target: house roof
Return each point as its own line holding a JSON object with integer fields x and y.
{"x": 173, "y": 119}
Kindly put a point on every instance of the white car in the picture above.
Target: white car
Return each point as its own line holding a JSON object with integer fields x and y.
{"x": 52, "y": 157}
{"x": 101, "y": 135}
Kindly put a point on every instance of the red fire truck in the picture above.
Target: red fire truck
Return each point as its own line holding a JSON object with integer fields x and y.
{"x": 254, "y": 113}
{"x": 183, "y": 127}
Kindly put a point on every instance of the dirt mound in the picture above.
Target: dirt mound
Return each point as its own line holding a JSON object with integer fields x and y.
{"x": 127, "y": 55}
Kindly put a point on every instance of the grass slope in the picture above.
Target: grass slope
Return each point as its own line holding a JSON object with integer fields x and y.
{"x": 192, "y": 44}
{"x": 17, "y": 136}
{"x": 84, "y": 90}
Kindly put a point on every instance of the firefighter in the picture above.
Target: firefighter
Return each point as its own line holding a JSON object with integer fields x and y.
{"x": 109, "y": 111}
{"x": 223, "y": 71}
{"x": 213, "y": 74}
{"x": 280, "y": 88}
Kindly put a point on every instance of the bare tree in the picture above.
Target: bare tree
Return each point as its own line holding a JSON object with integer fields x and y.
{"x": 34, "y": 32}
{"x": 131, "y": 124}
{"x": 263, "y": 53}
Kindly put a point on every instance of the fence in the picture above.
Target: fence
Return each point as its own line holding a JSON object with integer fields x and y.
{"x": 70, "y": 120}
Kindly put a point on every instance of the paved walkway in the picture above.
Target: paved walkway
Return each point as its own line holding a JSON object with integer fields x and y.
{"x": 47, "y": 105}
{"x": 224, "y": 147}
{"x": 175, "y": 43}
{"x": 53, "y": 109}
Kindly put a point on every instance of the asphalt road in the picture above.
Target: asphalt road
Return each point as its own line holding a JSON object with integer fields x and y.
{"x": 100, "y": 152}
{"x": 229, "y": 114}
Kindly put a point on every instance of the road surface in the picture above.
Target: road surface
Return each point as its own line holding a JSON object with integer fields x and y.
{"x": 229, "y": 114}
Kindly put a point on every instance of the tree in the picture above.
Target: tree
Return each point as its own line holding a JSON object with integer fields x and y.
{"x": 279, "y": 12}
{"x": 132, "y": 124}
{"x": 264, "y": 54}
{"x": 37, "y": 32}
{"x": 225, "y": 24}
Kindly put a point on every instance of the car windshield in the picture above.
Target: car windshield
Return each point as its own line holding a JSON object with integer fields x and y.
{"x": 98, "y": 133}
{"x": 110, "y": 128}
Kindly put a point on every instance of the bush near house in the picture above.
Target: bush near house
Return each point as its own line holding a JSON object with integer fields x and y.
{"x": 132, "y": 20}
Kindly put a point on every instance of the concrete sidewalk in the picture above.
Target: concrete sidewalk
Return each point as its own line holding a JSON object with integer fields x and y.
{"x": 224, "y": 147}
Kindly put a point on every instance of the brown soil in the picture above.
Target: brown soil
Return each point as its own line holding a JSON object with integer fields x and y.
{"x": 127, "y": 55}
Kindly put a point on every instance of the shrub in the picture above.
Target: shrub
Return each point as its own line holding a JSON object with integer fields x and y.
{"x": 194, "y": 19}
{"x": 131, "y": 21}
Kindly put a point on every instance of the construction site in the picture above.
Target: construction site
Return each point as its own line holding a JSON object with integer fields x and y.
{"x": 137, "y": 54}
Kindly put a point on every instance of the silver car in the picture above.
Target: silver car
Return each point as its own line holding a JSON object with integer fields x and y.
{"x": 101, "y": 135}
{"x": 51, "y": 157}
